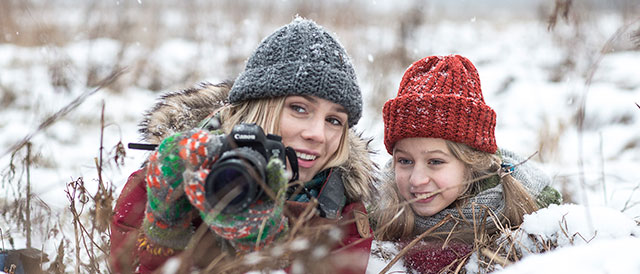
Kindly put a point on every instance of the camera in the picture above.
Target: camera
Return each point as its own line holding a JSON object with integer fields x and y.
{"x": 234, "y": 178}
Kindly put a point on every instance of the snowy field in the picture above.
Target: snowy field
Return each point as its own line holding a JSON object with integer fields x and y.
{"x": 568, "y": 95}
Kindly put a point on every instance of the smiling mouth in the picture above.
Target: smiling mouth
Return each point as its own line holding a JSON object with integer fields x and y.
{"x": 423, "y": 196}
{"x": 306, "y": 157}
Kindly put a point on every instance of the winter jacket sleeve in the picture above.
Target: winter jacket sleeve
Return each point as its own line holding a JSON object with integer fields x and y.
{"x": 127, "y": 217}
{"x": 130, "y": 250}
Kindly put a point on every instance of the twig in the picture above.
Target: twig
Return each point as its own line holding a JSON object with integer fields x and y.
{"x": 27, "y": 210}
{"x": 414, "y": 242}
{"x": 562, "y": 6}
{"x": 460, "y": 264}
{"x": 604, "y": 183}
{"x": 495, "y": 257}
{"x": 187, "y": 256}
{"x": 308, "y": 211}
{"x": 374, "y": 233}
{"x": 608, "y": 45}
{"x": 564, "y": 227}
{"x": 72, "y": 206}
{"x": 626, "y": 204}
{"x": 260, "y": 231}
{"x": 582, "y": 237}
{"x": 214, "y": 262}
{"x": 100, "y": 182}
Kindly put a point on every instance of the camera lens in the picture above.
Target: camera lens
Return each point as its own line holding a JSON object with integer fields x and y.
{"x": 230, "y": 181}
{"x": 233, "y": 181}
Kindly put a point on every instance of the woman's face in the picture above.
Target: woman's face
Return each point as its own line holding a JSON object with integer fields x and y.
{"x": 424, "y": 166}
{"x": 313, "y": 127}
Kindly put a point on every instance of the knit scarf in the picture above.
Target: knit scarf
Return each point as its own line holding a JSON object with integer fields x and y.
{"x": 490, "y": 199}
{"x": 312, "y": 187}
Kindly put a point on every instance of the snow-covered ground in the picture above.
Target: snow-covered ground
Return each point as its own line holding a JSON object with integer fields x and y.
{"x": 535, "y": 79}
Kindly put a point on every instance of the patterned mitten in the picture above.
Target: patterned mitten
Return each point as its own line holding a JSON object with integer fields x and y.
{"x": 169, "y": 213}
{"x": 253, "y": 227}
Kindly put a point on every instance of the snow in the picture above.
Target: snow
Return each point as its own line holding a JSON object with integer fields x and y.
{"x": 382, "y": 253}
{"x": 590, "y": 240}
{"x": 522, "y": 77}
{"x": 620, "y": 255}
{"x": 604, "y": 240}
{"x": 575, "y": 224}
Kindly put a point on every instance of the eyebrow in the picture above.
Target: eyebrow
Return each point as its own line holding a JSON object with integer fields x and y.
{"x": 339, "y": 108}
{"x": 423, "y": 151}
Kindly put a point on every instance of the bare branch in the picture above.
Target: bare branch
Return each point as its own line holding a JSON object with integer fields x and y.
{"x": 414, "y": 242}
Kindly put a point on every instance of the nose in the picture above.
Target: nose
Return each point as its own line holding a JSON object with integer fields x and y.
{"x": 419, "y": 177}
{"x": 314, "y": 130}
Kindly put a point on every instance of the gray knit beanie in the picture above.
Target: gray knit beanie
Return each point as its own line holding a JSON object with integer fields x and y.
{"x": 300, "y": 58}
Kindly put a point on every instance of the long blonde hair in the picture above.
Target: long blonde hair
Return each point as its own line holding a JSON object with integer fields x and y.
{"x": 266, "y": 114}
{"x": 395, "y": 219}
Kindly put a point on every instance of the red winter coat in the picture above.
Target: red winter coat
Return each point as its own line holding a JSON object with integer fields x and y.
{"x": 131, "y": 253}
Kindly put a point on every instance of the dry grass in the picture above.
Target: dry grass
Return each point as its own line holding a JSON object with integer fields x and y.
{"x": 90, "y": 230}
{"x": 31, "y": 24}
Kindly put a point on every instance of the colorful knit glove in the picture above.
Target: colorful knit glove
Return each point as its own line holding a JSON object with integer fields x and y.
{"x": 169, "y": 213}
{"x": 252, "y": 228}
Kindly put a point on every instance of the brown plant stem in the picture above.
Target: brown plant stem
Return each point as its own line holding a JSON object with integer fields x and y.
{"x": 495, "y": 257}
{"x": 27, "y": 210}
{"x": 582, "y": 109}
{"x": 414, "y": 242}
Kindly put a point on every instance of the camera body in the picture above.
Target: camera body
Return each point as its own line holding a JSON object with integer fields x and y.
{"x": 234, "y": 179}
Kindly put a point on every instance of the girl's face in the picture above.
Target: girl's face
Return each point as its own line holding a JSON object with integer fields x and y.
{"x": 424, "y": 166}
{"x": 313, "y": 127}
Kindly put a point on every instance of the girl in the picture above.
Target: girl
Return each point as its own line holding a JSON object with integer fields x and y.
{"x": 298, "y": 84}
{"x": 446, "y": 173}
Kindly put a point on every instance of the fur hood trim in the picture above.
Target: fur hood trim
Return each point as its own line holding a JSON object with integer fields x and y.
{"x": 359, "y": 171}
{"x": 183, "y": 110}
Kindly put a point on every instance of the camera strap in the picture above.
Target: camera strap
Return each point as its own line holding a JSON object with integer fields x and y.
{"x": 293, "y": 162}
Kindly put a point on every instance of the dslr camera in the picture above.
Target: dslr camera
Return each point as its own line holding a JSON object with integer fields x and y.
{"x": 234, "y": 179}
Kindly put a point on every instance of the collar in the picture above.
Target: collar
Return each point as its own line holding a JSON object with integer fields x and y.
{"x": 327, "y": 187}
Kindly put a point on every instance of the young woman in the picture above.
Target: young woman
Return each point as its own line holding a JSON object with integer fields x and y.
{"x": 447, "y": 174}
{"x": 298, "y": 84}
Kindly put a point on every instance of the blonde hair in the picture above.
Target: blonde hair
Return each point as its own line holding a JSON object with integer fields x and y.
{"x": 266, "y": 114}
{"x": 395, "y": 219}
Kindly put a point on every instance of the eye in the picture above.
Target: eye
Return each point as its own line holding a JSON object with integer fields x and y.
{"x": 334, "y": 121}
{"x": 298, "y": 108}
{"x": 404, "y": 161}
{"x": 436, "y": 162}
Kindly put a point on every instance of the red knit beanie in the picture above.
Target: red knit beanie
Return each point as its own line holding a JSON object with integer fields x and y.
{"x": 440, "y": 97}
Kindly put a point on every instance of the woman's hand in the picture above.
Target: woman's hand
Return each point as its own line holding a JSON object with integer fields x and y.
{"x": 253, "y": 227}
{"x": 169, "y": 213}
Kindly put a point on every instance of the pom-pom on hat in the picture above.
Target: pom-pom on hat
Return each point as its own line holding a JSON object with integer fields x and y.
{"x": 300, "y": 58}
{"x": 440, "y": 97}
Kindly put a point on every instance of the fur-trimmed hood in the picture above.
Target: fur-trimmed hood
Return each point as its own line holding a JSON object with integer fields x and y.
{"x": 183, "y": 110}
